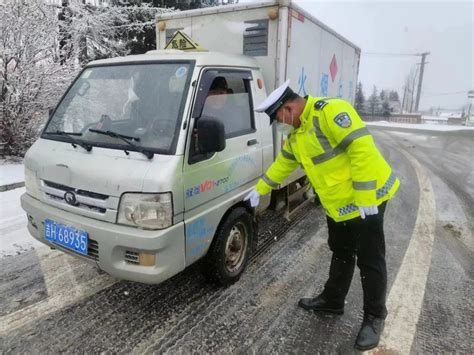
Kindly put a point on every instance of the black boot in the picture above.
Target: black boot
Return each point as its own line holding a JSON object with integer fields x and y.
{"x": 369, "y": 333}
{"x": 319, "y": 304}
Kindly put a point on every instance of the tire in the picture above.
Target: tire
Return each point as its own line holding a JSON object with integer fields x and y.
{"x": 231, "y": 248}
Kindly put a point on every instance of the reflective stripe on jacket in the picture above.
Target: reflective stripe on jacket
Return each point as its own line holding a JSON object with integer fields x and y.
{"x": 339, "y": 157}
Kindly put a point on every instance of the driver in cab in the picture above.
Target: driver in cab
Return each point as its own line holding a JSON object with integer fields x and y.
{"x": 216, "y": 98}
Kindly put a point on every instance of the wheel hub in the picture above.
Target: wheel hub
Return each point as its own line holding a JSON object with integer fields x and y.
{"x": 236, "y": 247}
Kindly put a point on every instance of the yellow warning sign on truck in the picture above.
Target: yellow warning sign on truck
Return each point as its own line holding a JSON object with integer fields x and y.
{"x": 182, "y": 41}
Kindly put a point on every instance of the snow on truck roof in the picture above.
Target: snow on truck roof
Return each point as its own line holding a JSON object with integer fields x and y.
{"x": 201, "y": 58}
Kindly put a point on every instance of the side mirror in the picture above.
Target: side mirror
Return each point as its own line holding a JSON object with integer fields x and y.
{"x": 50, "y": 112}
{"x": 211, "y": 135}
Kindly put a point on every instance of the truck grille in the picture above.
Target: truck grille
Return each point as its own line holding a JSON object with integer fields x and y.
{"x": 86, "y": 200}
{"x": 93, "y": 250}
{"x": 77, "y": 192}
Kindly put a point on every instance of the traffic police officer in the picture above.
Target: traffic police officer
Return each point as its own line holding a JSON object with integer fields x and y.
{"x": 328, "y": 139}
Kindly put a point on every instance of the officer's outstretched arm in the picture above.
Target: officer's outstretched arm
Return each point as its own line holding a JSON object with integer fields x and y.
{"x": 282, "y": 167}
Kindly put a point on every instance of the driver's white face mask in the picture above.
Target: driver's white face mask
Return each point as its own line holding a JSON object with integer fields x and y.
{"x": 285, "y": 128}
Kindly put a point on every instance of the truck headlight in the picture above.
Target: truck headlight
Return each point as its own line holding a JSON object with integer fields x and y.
{"x": 31, "y": 183}
{"x": 151, "y": 211}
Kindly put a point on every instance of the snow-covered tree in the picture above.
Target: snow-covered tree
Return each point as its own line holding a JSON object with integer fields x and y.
{"x": 30, "y": 76}
{"x": 373, "y": 102}
{"x": 89, "y": 32}
{"x": 139, "y": 33}
{"x": 386, "y": 108}
{"x": 187, "y": 4}
{"x": 393, "y": 96}
{"x": 409, "y": 90}
{"x": 41, "y": 49}
{"x": 359, "y": 98}
{"x": 384, "y": 100}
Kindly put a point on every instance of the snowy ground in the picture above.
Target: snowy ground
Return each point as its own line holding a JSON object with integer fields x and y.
{"x": 14, "y": 237}
{"x": 423, "y": 126}
{"x": 52, "y": 302}
{"x": 11, "y": 172}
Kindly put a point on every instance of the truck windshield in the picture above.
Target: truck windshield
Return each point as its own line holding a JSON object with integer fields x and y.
{"x": 139, "y": 100}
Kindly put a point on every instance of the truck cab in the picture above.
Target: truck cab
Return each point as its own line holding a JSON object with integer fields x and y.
{"x": 143, "y": 163}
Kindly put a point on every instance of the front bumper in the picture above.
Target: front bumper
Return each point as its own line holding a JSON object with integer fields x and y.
{"x": 115, "y": 242}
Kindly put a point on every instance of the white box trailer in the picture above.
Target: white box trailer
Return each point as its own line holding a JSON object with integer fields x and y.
{"x": 142, "y": 169}
{"x": 286, "y": 41}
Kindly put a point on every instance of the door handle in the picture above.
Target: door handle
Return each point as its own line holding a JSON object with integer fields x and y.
{"x": 252, "y": 142}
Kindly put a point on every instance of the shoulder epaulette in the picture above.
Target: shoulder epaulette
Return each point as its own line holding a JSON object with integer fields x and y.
{"x": 320, "y": 104}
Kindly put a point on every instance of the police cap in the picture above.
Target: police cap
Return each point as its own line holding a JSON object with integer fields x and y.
{"x": 275, "y": 100}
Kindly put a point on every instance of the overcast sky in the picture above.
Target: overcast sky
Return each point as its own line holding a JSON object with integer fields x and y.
{"x": 444, "y": 28}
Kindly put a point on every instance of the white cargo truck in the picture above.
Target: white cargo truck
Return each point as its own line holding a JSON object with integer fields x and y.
{"x": 143, "y": 165}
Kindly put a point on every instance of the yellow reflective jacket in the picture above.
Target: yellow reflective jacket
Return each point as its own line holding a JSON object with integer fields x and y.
{"x": 340, "y": 159}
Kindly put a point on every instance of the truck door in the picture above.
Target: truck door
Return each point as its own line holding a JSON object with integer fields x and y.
{"x": 212, "y": 182}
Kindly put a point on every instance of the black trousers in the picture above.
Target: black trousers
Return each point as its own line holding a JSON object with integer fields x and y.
{"x": 364, "y": 240}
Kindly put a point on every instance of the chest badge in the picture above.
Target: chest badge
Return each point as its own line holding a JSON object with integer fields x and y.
{"x": 343, "y": 120}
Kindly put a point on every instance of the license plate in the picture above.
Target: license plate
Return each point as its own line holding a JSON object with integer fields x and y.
{"x": 66, "y": 236}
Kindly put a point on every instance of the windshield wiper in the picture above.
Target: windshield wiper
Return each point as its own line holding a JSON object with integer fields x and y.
{"x": 74, "y": 141}
{"x": 126, "y": 139}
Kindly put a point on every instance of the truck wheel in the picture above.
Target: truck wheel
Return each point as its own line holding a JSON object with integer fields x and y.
{"x": 231, "y": 248}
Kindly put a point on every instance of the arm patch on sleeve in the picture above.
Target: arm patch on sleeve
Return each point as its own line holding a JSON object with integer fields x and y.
{"x": 343, "y": 120}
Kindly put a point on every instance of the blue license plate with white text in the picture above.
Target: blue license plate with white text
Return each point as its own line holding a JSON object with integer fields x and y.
{"x": 66, "y": 236}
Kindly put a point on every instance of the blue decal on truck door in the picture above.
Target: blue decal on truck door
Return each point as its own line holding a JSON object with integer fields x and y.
{"x": 198, "y": 236}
